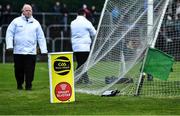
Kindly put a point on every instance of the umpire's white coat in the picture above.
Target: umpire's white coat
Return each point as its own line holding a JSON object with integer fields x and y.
{"x": 23, "y": 35}
{"x": 81, "y": 32}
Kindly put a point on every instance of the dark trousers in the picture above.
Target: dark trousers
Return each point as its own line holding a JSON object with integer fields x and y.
{"x": 24, "y": 66}
{"x": 81, "y": 58}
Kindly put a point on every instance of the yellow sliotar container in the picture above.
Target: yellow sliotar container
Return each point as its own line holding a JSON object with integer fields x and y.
{"x": 61, "y": 77}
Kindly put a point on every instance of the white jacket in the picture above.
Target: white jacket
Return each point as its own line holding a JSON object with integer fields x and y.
{"x": 23, "y": 36}
{"x": 81, "y": 32}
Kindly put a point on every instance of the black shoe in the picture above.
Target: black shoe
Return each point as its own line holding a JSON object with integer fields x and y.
{"x": 19, "y": 87}
{"x": 28, "y": 88}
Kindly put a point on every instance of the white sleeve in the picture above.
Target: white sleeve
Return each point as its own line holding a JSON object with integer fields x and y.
{"x": 92, "y": 30}
{"x": 41, "y": 40}
{"x": 10, "y": 35}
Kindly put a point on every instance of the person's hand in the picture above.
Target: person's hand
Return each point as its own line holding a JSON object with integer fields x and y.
{"x": 38, "y": 50}
{"x": 9, "y": 51}
{"x": 43, "y": 54}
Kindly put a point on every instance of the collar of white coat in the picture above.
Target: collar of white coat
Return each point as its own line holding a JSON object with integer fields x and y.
{"x": 80, "y": 17}
{"x": 30, "y": 19}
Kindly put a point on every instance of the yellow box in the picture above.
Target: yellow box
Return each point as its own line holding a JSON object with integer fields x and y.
{"x": 61, "y": 77}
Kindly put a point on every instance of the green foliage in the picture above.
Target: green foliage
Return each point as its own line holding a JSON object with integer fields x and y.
{"x": 37, "y": 101}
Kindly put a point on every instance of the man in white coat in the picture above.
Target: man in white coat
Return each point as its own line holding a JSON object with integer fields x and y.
{"x": 22, "y": 36}
{"x": 82, "y": 32}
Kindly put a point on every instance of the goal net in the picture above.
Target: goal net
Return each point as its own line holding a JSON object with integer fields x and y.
{"x": 115, "y": 60}
{"x": 168, "y": 42}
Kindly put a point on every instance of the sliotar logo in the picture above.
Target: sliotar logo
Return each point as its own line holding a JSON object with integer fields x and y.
{"x": 63, "y": 91}
{"x": 62, "y": 65}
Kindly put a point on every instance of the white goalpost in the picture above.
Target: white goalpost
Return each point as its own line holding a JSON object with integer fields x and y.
{"x": 170, "y": 87}
{"x": 126, "y": 30}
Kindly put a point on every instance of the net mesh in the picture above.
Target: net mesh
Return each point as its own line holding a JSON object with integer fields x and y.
{"x": 168, "y": 41}
{"x": 118, "y": 49}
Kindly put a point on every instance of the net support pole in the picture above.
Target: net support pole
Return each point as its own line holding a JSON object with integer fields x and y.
{"x": 149, "y": 37}
{"x": 159, "y": 25}
{"x": 94, "y": 40}
{"x": 98, "y": 28}
{"x": 149, "y": 19}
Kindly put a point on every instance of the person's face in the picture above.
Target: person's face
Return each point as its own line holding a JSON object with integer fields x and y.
{"x": 27, "y": 11}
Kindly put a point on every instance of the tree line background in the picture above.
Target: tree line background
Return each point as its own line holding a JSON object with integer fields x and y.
{"x": 47, "y": 5}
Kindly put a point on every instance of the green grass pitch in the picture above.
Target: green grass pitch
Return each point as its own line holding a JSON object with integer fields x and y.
{"x": 37, "y": 101}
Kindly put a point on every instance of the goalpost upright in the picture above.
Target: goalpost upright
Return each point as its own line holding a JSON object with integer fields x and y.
{"x": 149, "y": 37}
{"x": 152, "y": 36}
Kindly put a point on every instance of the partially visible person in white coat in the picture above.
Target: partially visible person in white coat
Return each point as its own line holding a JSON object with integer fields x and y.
{"x": 22, "y": 36}
{"x": 82, "y": 32}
